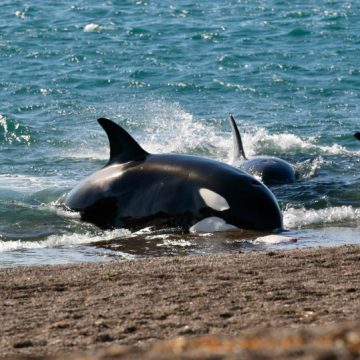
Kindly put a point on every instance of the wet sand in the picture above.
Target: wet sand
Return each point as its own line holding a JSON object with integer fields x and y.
{"x": 283, "y": 304}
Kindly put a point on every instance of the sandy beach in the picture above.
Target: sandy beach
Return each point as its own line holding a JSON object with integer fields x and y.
{"x": 283, "y": 304}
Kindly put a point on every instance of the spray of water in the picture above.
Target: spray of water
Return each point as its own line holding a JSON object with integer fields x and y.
{"x": 301, "y": 217}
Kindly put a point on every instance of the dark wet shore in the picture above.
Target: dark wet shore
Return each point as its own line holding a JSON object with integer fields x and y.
{"x": 285, "y": 304}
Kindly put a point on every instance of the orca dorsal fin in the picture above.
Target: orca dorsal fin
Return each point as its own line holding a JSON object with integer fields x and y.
{"x": 357, "y": 135}
{"x": 123, "y": 147}
{"x": 238, "y": 146}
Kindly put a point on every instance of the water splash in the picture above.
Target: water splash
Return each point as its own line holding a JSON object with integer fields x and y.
{"x": 12, "y": 132}
{"x": 297, "y": 218}
{"x": 262, "y": 142}
{"x": 64, "y": 240}
{"x": 308, "y": 169}
{"x": 28, "y": 184}
{"x": 96, "y": 27}
{"x": 169, "y": 242}
{"x": 169, "y": 128}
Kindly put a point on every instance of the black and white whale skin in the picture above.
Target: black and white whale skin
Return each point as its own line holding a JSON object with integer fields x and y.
{"x": 357, "y": 135}
{"x": 271, "y": 170}
{"x": 137, "y": 189}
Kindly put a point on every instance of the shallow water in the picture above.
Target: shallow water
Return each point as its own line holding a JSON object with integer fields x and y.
{"x": 169, "y": 73}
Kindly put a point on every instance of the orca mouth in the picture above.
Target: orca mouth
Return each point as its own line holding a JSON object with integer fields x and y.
{"x": 258, "y": 222}
{"x": 261, "y": 213}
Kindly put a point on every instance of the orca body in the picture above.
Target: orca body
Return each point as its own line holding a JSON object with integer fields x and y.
{"x": 137, "y": 189}
{"x": 271, "y": 170}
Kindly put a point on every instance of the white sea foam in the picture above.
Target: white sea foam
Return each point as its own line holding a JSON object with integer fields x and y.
{"x": 67, "y": 240}
{"x": 255, "y": 143}
{"x": 95, "y": 27}
{"x": 91, "y": 27}
{"x": 301, "y": 217}
{"x": 20, "y": 14}
{"x": 88, "y": 152}
{"x": 180, "y": 243}
{"x": 307, "y": 169}
{"x": 157, "y": 237}
{"x": 171, "y": 129}
{"x": 27, "y": 183}
{"x": 11, "y": 136}
{"x": 64, "y": 212}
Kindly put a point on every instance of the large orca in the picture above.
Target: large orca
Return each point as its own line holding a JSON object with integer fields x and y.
{"x": 270, "y": 170}
{"x": 137, "y": 189}
{"x": 357, "y": 135}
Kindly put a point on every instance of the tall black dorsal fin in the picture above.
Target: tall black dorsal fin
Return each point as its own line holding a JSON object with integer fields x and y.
{"x": 123, "y": 147}
{"x": 238, "y": 146}
{"x": 357, "y": 135}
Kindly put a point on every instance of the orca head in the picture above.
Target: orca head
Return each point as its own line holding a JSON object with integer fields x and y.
{"x": 270, "y": 170}
{"x": 357, "y": 135}
{"x": 278, "y": 175}
{"x": 244, "y": 202}
{"x": 261, "y": 211}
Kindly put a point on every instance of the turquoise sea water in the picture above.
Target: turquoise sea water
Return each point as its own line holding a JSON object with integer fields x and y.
{"x": 169, "y": 72}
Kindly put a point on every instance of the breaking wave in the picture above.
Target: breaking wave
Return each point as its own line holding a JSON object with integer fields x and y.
{"x": 262, "y": 142}
{"x": 27, "y": 183}
{"x": 301, "y": 217}
{"x": 11, "y": 131}
{"x": 65, "y": 240}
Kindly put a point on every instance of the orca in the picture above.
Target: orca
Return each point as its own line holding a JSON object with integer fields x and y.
{"x": 357, "y": 135}
{"x": 136, "y": 189}
{"x": 271, "y": 170}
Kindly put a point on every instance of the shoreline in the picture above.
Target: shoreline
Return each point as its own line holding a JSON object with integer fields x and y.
{"x": 61, "y": 309}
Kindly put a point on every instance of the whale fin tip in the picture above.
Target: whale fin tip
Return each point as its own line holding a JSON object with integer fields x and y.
{"x": 238, "y": 145}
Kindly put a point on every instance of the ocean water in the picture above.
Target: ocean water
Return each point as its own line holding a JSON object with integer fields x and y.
{"x": 169, "y": 72}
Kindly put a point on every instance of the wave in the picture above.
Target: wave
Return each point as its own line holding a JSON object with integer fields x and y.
{"x": 28, "y": 184}
{"x": 11, "y": 131}
{"x": 90, "y": 153}
{"x": 65, "y": 240}
{"x": 95, "y": 27}
{"x": 307, "y": 169}
{"x": 297, "y": 218}
{"x": 262, "y": 142}
{"x": 180, "y": 243}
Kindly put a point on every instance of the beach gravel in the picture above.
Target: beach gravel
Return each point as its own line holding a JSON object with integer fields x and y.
{"x": 301, "y": 303}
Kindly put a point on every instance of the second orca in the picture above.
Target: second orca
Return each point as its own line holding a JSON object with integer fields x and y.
{"x": 271, "y": 170}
